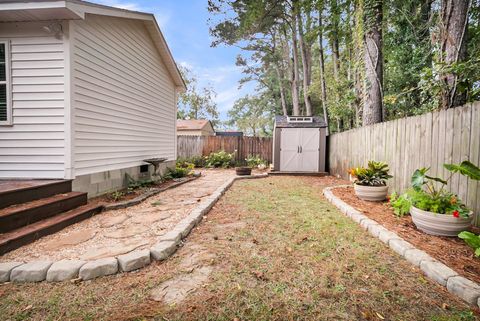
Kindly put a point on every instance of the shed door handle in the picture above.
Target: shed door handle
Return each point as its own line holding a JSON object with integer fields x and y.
{"x": 301, "y": 149}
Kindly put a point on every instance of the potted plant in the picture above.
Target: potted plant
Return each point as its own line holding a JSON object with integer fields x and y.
{"x": 370, "y": 183}
{"x": 252, "y": 161}
{"x": 436, "y": 211}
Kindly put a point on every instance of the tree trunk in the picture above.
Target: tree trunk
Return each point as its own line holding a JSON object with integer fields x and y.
{"x": 453, "y": 36}
{"x": 283, "y": 99}
{"x": 305, "y": 66}
{"x": 334, "y": 43}
{"x": 295, "y": 73}
{"x": 322, "y": 68}
{"x": 373, "y": 105}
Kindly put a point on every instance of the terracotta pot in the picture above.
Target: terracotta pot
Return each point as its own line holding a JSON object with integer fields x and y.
{"x": 243, "y": 171}
{"x": 371, "y": 193}
{"x": 439, "y": 224}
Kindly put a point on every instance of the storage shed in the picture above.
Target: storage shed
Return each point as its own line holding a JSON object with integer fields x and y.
{"x": 299, "y": 144}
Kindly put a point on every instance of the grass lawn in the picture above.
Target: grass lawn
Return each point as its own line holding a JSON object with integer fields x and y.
{"x": 271, "y": 249}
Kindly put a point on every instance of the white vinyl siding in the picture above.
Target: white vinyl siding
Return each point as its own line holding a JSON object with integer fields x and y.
{"x": 123, "y": 97}
{"x": 33, "y": 145}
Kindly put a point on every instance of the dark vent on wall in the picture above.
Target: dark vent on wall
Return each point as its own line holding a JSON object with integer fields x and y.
{"x": 143, "y": 168}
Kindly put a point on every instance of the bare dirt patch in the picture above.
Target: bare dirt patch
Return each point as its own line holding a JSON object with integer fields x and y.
{"x": 451, "y": 251}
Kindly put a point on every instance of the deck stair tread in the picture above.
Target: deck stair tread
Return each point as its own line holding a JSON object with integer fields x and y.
{"x": 27, "y": 234}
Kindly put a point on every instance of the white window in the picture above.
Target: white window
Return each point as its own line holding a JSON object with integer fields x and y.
{"x": 5, "y": 85}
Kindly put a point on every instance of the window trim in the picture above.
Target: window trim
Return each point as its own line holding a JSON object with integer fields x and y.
{"x": 8, "y": 82}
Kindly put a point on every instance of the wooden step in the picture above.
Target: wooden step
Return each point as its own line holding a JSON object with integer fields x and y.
{"x": 16, "y": 216}
{"x": 21, "y": 191}
{"x": 28, "y": 234}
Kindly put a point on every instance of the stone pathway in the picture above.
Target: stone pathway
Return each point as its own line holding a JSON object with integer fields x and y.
{"x": 121, "y": 231}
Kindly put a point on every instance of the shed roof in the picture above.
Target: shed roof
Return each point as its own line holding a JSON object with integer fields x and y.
{"x": 44, "y": 10}
{"x": 282, "y": 122}
{"x": 192, "y": 124}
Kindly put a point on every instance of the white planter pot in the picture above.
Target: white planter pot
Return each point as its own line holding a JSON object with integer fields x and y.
{"x": 439, "y": 224}
{"x": 371, "y": 193}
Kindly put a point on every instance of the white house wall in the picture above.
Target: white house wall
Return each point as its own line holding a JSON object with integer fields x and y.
{"x": 33, "y": 146}
{"x": 123, "y": 97}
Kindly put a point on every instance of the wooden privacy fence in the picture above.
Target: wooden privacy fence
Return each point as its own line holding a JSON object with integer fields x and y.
{"x": 429, "y": 140}
{"x": 189, "y": 146}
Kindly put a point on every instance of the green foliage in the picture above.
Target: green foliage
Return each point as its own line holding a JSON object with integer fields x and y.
{"x": 183, "y": 163}
{"x": 197, "y": 161}
{"x": 196, "y": 103}
{"x": 375, "y": 174}
{"x": 472, "y": 240}
{"x": 465, "y": 168}
{"x": 136, "y": 184}
{"x": 219, "y": 159}
{"x": 252, "y": 115}
{"x": 178, "y": 172}
{"x": 401, "y": 204}
{"x": 255, "y": 161}
{"x": 116, "y": 195}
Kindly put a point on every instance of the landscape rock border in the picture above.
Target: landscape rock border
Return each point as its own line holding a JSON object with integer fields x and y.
{"x": 460, "y": 286}
{"x": 63, "y": 270}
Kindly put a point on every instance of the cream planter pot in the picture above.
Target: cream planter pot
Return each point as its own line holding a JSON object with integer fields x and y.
{"x": 371, "y": 193}
{"x": 439, "y": 224}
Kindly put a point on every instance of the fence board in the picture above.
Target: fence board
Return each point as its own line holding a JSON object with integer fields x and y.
{"x": 429, "y": 140}
{"x": 190, "y": 146}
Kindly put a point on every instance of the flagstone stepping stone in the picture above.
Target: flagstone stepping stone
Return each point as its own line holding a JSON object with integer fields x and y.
{"x": 109, "y": 251}
{"x": 128, "y": 231}
{"x": 200, "y": 195}
{"x": 113, "y": 220}
{"x": 73, "y": 238}
{"x": 150, "y": 218}
{"x": 176, "y": 290}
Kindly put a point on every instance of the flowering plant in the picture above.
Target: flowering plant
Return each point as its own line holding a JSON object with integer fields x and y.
{"x": 430, "y": 194}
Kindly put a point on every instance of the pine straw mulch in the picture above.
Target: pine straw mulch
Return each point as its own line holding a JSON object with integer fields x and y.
{"x": 451, "y": 251}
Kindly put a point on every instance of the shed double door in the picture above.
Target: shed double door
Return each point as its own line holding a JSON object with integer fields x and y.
{"x": 299, "y": 149}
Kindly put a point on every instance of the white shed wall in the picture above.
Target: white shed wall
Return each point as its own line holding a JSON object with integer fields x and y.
{"x": 123, "y": 97}
{"x": 33, "y": 146}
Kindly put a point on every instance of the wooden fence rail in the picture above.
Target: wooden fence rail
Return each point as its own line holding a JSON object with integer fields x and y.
{"x": 429, "y": 140}
{"x": 189, "y": 146}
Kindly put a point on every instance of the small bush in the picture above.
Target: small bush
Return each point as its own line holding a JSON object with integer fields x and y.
{"x": 255, "y": 161}
{"x": 220, "y": 159}
{"x": 177, "y": 172}
{"x": 134, "y": 184}
{"x": 116, "y": 195}
{"x": 401, "y": 204}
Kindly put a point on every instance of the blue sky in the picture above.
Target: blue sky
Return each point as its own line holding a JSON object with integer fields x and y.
{"x": 184, "y": 25}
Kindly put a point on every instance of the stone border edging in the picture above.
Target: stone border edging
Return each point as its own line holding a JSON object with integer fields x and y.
{"x": 63, "y": 270}
{"x": 144, "y": 196}
{"x": 460, "y": 286}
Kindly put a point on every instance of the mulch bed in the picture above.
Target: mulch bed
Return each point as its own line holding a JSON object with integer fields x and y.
{"x": 451, "y": 251}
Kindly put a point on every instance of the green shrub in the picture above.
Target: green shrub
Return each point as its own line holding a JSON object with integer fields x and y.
{"x": 177, "y": 172}
{"x": 134, "y": 184}
{"x": 196, "y": 161}
{"x": 219, "y": 159}
{"x": 254, "y": 161}
{"x": 472, "y": 240}
{"x": 401, "y": 204}
{"x": 116, "y": 195}
{"x": 184, "y": 163}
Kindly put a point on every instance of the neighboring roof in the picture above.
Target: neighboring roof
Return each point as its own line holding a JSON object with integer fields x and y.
{"x": 282, "y": 122}
{"x": 44, "y": 10}
{"x": 192, "y": 124}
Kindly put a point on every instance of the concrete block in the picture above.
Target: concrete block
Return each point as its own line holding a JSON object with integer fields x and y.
{"x": 134, "y": 260}
{"x": 400, "y": 246}
{"x": 464, "y": 288}
{"x": 365, "y": 223}
{"x": 172, "y": 235}
{"x": 386, "y": 236}
{"x": 100, "y": 267}
{"x": 30, "y": 272}
{"x": 416, "y": 256}
{"x": 437, "y": 271}
{"x": 64, "y": 270}
{"x": 375, "y": 229}
{"x": 163, "y": 250}
{"x": 6, "y": 268}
